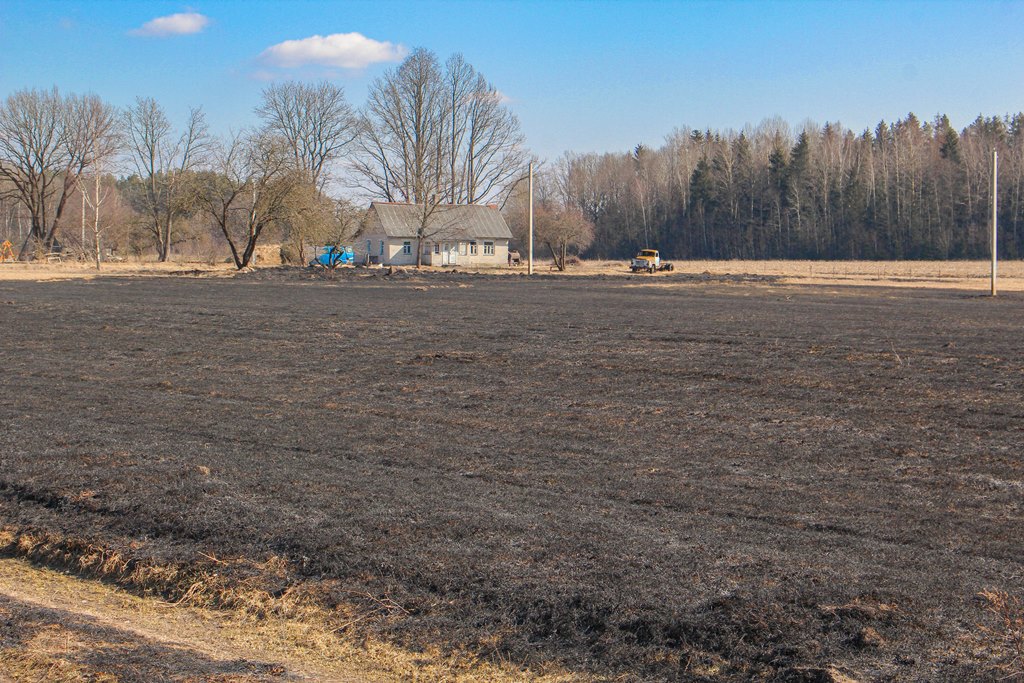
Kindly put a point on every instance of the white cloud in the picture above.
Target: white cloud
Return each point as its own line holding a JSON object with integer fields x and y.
{"x": 344, "y": 50}
{"x": 179, "y": 24}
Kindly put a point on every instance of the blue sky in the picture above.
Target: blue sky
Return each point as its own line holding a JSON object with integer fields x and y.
{"x": 582, "y": 76}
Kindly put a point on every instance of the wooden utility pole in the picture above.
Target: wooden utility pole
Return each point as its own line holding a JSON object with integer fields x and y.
{"x": 995, "y": 204}
{"x": 530, "y": 270}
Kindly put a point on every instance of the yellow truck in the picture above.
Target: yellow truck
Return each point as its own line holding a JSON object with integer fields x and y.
{"x": 650, "y": 261}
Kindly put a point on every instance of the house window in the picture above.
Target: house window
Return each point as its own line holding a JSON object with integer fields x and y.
{"x": 437, "y": 248}
{"x": 426, "y": 248}
{"x": 489, "y": 248}
{"x": 369, "y": 247}
{"x": 462, "y": 248}
{"x": 472, "y": 248}
{"x": 406, "y": 247}
{"x": 382, "y": 247}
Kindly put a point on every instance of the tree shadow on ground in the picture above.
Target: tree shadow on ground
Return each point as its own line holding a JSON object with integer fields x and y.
{"x": 64, "y": 646}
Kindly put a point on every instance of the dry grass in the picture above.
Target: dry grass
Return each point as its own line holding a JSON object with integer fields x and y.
{"x": 21, "y": 271}
{"x": 927, "y": 274}
{"x": 930, "y": 274}
{"x": 71, "y": 618}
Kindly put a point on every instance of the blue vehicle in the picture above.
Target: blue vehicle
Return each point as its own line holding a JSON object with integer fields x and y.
{"x": 333, "y": 256}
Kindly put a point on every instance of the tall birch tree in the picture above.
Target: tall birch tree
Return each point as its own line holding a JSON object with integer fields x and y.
{"x": 162, "y": 159}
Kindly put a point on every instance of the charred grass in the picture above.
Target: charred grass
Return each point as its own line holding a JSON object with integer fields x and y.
{"x": 725, "y": 480}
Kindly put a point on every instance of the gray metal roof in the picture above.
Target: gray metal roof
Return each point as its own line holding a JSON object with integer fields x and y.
{"x": 463, "y": 221}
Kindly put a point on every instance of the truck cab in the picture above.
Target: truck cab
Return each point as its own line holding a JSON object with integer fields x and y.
{"x": 647, "y": 259}
{"x": 332, "y": 256}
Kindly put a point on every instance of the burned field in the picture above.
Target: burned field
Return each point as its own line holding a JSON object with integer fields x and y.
{"x": 708, "y": 480}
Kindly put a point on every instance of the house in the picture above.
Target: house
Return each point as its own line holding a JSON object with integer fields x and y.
{"x": 463, "y": 235}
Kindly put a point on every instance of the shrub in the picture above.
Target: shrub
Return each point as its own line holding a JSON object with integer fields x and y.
{"x": 290, "y": 255}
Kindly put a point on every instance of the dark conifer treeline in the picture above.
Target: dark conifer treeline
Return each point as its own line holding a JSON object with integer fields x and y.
{"x": 905, "y": 190}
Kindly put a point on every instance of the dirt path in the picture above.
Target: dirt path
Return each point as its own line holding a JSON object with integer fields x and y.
{"x": 56, "y": 627}
{"x": 59, "y": 627}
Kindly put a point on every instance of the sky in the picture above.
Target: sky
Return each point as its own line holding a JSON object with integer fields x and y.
{"x": 595, "y": 76}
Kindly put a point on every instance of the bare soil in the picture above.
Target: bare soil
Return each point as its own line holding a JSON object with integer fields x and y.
{"x": 729, "y": 478}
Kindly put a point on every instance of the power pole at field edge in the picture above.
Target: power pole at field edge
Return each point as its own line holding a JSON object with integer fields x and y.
{"x": 995, "y": 204}
{"x": 530, "y": 269}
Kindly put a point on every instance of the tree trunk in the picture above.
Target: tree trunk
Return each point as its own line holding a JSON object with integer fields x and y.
{"x": 554, "y": 257}
{"x": 96, "y": 221}
{"x": 24, "y": 246}
{"x": 250, "y": 249}
{"x": 165, "y": 251}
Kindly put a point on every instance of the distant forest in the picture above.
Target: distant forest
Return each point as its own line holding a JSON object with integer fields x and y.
{"x": 906, "y": 190}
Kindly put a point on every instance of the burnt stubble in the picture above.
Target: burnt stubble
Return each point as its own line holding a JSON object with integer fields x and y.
{"x": 691, "y": 480}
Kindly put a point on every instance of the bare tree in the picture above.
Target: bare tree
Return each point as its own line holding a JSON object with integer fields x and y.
{"x": 316, "y": 219}
{"x": 562, "y": 228}
{"x": 403, "y": 132}
{"x": 642, "y": 186}
{"x": 107, "y": 145}
{"x": 316, "y": 122}
{"x": 493, "y": 152}
{"x": 403, "y": 142}
{"x": 251, "y": 186}
{"x": 459, "y": 83}
{"x": 95, "y": 201}
{"x": 558, "y": 223}
{"x": 432, "y": 137}
{"x": 47, "y": 141}
{"x": 162, "y": 161}
{"x": 484, "y": 145}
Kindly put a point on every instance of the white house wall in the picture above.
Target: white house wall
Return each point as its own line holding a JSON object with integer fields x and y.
{"x": 480, "y": 260}
{"x": 394, "y": 256}
{"x": 360, "y": 249}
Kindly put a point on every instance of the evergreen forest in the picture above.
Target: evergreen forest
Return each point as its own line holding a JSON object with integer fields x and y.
{"x": 905, "y": 190}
